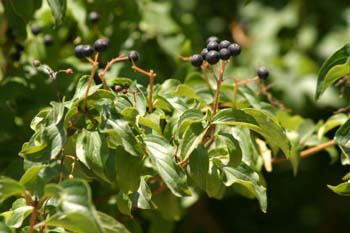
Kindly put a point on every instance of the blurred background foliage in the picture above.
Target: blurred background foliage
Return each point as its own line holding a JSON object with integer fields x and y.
{"x": 291, "y": 38}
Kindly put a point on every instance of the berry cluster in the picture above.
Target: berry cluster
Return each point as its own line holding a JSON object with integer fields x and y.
{"x": 122, "y": 88}
{"x": 216, "y": 50}
{"x": 82, "y": 51}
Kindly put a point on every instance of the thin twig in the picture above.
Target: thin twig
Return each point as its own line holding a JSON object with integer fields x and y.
{"x": 309, "y": 151}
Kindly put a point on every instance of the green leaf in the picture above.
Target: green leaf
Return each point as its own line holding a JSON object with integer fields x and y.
{"x": 126, "y": 136}
{"x": 342, "y": 138}
{"x": 58, "y": 9}
{"x": 257, "y": 120}
{"x": 187, "y": 118}
{"x": 168, "y": 205}
{"x": 151, "y": 121}
{"x": 142, "y": 198}
{"x": 199, "y": 166}
{"x": 162, "y": 156}
{"x": 333, "y": 68}
{"x": 92, "y": 151}
{"x": 128, "y": 169}
{"x": 24, "y": 9}
{"x": 331, "y": 123}
{"x": 124, "y": 203}
{"x": 32, "y": 181}
{"x": 341, "y": 189}
{"x": 233, "y": 149}
{"x": 18, "y": 216}
{"x": 76, "y": 212}
{"x": 10, "y": 187}
{"x": 4, "y": 228}
{"x": 214, "y": 182}
{"x": 110, "y": 224}
{"x": 185, "y": 90}
{"x": 249, "y": 179}
{"x": 192, "y": 138}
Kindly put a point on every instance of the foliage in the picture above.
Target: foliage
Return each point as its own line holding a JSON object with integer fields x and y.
{"x": 153, "y": 149}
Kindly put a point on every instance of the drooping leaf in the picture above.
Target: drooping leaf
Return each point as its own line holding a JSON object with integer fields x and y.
{"x": 341, "y": 189}
{"x": 142, "y": 198}
{"x": 162, "y": 155}
{"x": 214, "y": 182}
{"x": 18, "y": 216}
{"x": 126, "y": 136}
{"x": 331, "y": 123}
{"x": 168, "y": 205}
{"x": 76, "y": 212}
{"x": 128, "y": 170}
{"x": 58, "y": 9}
{"x": 124, "y": 203}
{"x": 233, "y": 149}
{"x": 187, "y": 118}
{"x": 333, "y": 68}
{"x": 193, "y": 136}
{"x": 92, "y": 151}
{"x": 249, "y": 179}
{"x": 342, "y": 138}
{"x": 257, "y": 120}
{"x": 10, "y": 187}
{"x": 32, "y": 181}
{"x": 110, "y": 224}
{"x": 199, "y": 166}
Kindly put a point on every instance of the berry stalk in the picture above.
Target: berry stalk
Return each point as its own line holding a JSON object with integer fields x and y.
{"x": 219, "y": 81}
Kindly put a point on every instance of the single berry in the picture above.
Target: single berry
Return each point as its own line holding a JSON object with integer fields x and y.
{"x": 124, "y": 91}
{"x": 69, "y": 71}
{"x": 36, "y": 29}
{"x": 212, "y": 57}
{"x": 48, "y": 40}
{"x": 87, "y": 50}
{"x": 133, "y": 56}
{"x": 262, "y": 73}
{"x": 94, "y": 17}
{"x": 78, "y": 51}
{"x": 101, "y": 45}
{"x": 225, "y": 54}
{"x": 19, "y": 46}
{"x": 36, "y": 63}
{"x": 204, "y": 53}
{"x": 97, "y": 79}
{"x": 70, "y": 176}
{"x": 196, "y": 60}
{"x": 224, "y": 44}
{"x": 126, "y": 85}
{"x": 213, "y": 45}
{"x": 213, "y": 38}
{"x": 118, "y": 88}
{"x": 235, "y": 49}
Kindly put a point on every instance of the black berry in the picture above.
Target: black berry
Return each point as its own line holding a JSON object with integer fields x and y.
{"x": 97, "y": 79}
{"x": 126, "y": 85}
{"x": 196, "y": 60}
{"x": 19, "y": 46}
{"x": 213, "y": 38}
{"x": 133, "y": 56}
{"x": 213, "y": 45}
{"x": 212, "y": 57}
{"x": 235, "y": 49}
{"x": 118, "y": 88}
{"x": 48, "y": 40}
{"x": 224, "y": 44}
{"x": 262, "y": 73}
{"x": 87, "y": 50}
{"x": 204, "y": 53}
{"x": 225, "y": 54}
{"x": 101, "y": 45}
{"x": 78, "y": 51}
{"x": 36, "y": 29}
{"x": 94, "y": 17}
